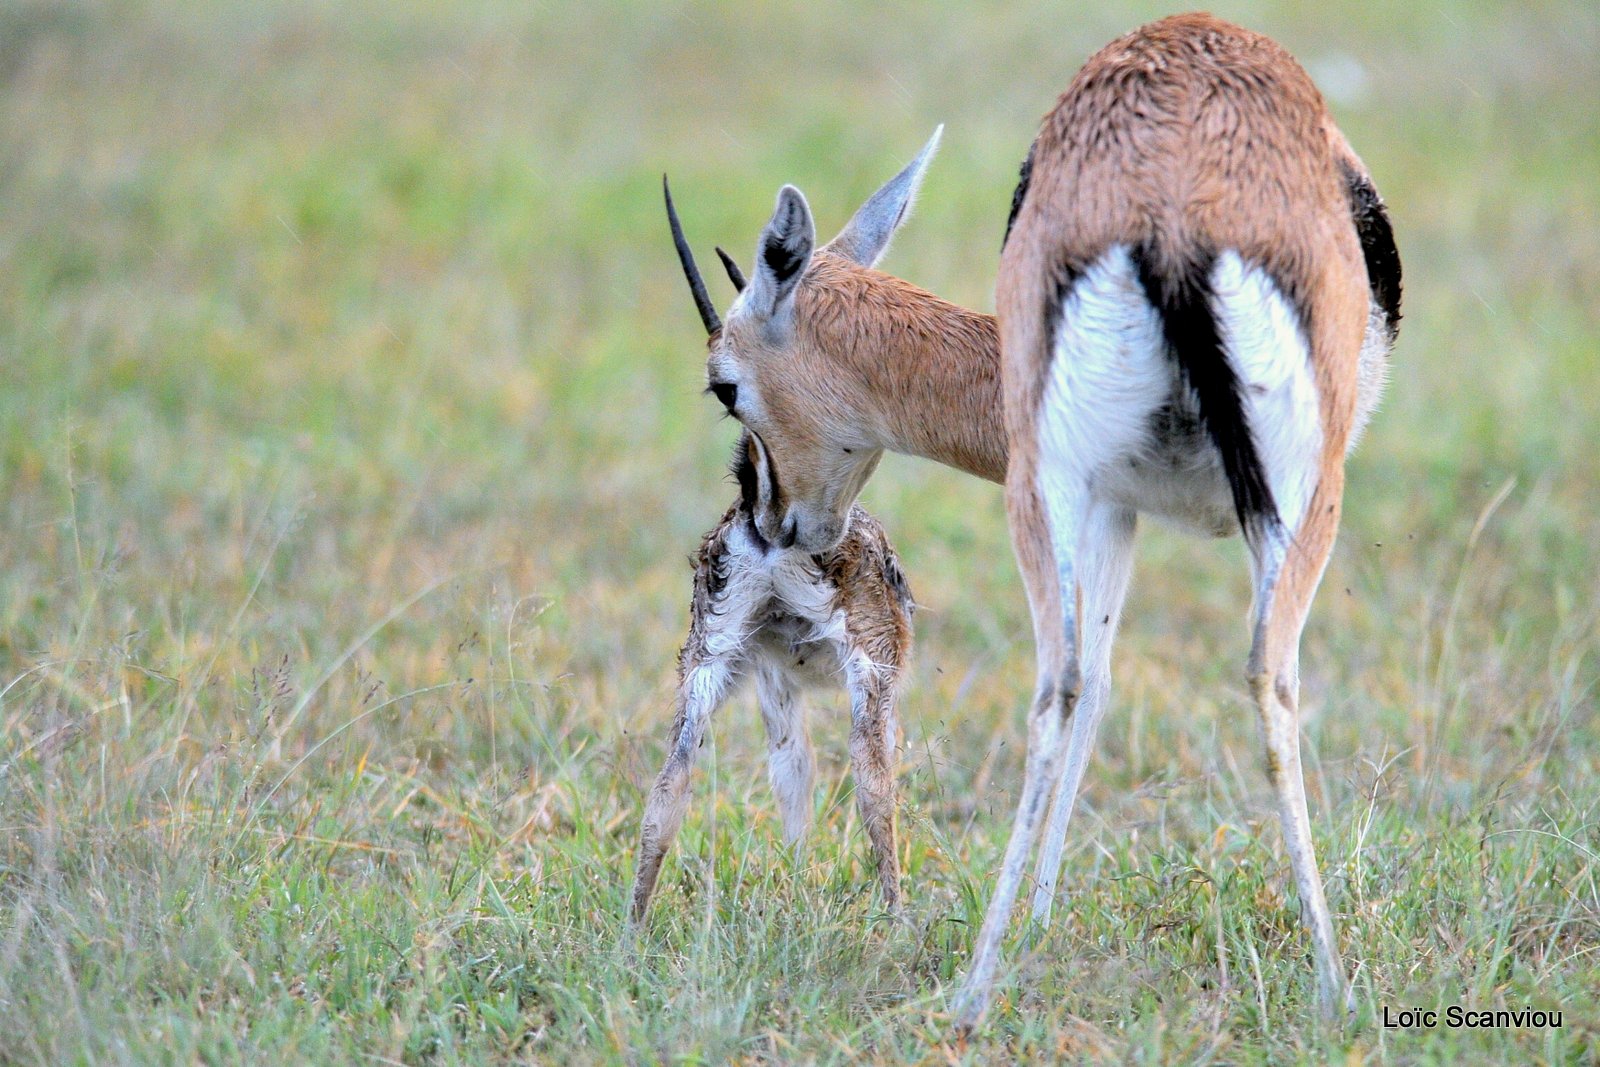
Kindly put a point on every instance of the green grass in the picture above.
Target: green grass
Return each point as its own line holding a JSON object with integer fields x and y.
{"x": 351, "y": 445}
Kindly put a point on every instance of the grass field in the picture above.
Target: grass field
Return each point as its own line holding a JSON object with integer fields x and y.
{"x": 351, "y": 446}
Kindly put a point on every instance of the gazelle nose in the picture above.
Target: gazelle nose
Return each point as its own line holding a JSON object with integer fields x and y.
{"x": 791, "y": 530}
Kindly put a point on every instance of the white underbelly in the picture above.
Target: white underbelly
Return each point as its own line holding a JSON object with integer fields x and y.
{"x": 788, "y": 645}
{"x": 1176, "y": 477}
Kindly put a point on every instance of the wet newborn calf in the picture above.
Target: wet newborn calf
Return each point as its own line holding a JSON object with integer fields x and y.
{"x": 789, "y": 619}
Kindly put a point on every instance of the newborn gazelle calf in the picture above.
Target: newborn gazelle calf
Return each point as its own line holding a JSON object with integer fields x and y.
{"x": 790, "y": 619}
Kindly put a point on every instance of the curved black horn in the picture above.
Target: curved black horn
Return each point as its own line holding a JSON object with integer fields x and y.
{"x": 735, "y": 275}
{"x": 697, "y": 287}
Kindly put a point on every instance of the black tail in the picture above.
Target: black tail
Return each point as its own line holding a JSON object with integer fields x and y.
{"x": 1182, "y": 297}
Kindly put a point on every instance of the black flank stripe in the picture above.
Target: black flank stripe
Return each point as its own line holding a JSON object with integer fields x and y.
{"x": 1377, "y": 246}
{"x": 1024, "y": 176}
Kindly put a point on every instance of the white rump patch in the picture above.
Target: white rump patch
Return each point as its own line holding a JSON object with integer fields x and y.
{"x": 1108, "y": 373}
{"x": 1260, "y": 332}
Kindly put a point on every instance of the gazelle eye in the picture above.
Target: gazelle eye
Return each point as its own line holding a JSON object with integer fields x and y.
{"x": 727, "y": 392}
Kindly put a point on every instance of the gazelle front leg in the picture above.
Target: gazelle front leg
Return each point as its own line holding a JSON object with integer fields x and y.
{"x": 872, "y": 766}
{"x": 791, "y": 766}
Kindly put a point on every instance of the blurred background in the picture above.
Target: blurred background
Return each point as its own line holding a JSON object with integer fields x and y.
{"x": 352, "y": 444}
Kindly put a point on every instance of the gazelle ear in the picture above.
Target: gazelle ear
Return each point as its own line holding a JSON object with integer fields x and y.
{"x": 782, "y": 254}
{"x": 866, "y": 236}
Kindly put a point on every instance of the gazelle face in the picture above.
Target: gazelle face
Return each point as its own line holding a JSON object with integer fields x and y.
{"x": 812, "y": 457}
{"x": 771, "y": 364}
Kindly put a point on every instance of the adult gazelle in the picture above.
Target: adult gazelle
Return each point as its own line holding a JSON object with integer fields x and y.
{"x": 1197, "y": 296}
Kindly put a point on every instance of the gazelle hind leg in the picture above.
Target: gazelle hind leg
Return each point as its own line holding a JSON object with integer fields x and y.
{"x": 1297, "y": 426}
{"x": 1108, "y": 373}
{"x": 791, "y": 765}
{"x": 1288, "y": 569}
{"x": 1052, "y": 599}
{"x": 1107, "y": 564}
{"x": 872, "y": 768}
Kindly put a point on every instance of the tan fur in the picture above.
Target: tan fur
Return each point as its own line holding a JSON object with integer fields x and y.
{"x": 846, "y": 615}
{"x": 1030, "y": 540}
{"x": 874, "y": 363}
{"x": 914, "y": 353}
{"x": 1204, "y": 133}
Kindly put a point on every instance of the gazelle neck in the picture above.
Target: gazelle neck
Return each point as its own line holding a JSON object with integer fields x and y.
{"x": 923, "y": 374}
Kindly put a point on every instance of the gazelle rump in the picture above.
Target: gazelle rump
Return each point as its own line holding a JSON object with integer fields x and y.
{"x": 788, "y": 619}
{"x": 1197, "y": 297}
